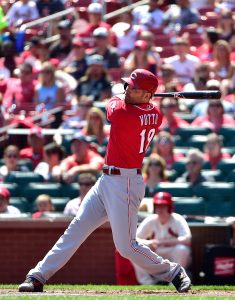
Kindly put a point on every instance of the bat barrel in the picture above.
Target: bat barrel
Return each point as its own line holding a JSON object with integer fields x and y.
{"x": 192, "y": 95}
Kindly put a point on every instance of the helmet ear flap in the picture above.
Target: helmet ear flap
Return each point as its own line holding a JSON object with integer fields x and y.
{"x": 125, "y": 86}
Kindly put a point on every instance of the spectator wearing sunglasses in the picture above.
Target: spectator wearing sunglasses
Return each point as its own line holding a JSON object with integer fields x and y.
{"x": 194, "y": 164}
{"x": 85, "y": 181}
{"x": 164, "y": 146}
{"x": 154, "y": 171}
{"x": 11, "y": 160}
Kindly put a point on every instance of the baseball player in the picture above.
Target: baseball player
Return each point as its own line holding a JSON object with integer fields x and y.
{"x": 118, "y": 192}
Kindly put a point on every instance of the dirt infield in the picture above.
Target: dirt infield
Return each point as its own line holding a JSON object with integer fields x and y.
{"x": 62, "y": 292}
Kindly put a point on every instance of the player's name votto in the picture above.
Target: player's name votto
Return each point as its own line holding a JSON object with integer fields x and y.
{"x": 149, "y": 119}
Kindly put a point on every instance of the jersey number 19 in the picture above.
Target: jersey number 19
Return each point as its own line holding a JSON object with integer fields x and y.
{"x": 146, "y": 138}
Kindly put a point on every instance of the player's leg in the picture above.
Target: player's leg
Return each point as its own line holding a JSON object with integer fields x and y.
{"x": 91, "y": 215}
{"x": 122, "y": 203}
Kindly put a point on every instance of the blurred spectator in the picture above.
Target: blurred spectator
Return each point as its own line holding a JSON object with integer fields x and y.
{"x": 148, "y": 37}
{"x": 31, "y": 51}
{"x": 5, "y": 208}
{"x": 53, "y": 155}
{"x": 103, "y": 47}
{"x": 150, "y": 15}
{"x": 85, "y": 181}
{"x": 200, "y": 108}
{"x": 60, "y": 49}
{"x": 210, "y": 36}
{"x": 95, "y": 12}
{"x": 180, "y": 15}
{"x": 95, "y": 126}
{"x": 83, "y": 159}
{"x": 76, "y": 63}
{"x": 183, "y": 62}
{"x": 168, "y": 77}
{"x": 225, "y": 4}
{"x": 9, "y": 60}
{"x": 11, "y": 160}
{"x": 226, "y": 25}
{"x": 166, "y": 233}
{"x": 170, "y": 122}
{"x": 43, "y": 204}
{"x": 215, "y": 117}
{"x": 96, "y": 82}
{"x": 139, "y": 58}
{"x": 164, "y": 146}
{"x": 194, "y": 164}
{"x": 49, "y": 7}
{"x": 20, "y": 91}
{"x": 35, "y": 150}
{"x": 49, "y": 92}
{"x": 200, "y": 79}
{"x": 222, "y": 66}
{"x": 126, "y": 33}
{"x": 213, "y": 150}
{"x": 153, "y": 171}
{"x": 22, "y": 11}
{"x": 197, "y": 4}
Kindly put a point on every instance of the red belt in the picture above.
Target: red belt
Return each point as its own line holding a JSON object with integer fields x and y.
{"x": 116, "y": 171}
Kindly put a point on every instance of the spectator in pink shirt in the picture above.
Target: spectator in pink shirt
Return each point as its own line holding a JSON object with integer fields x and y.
{"x": 215, "y": 117}
{"x": 164, "y": 146}
{"x": 170, "y": 122}
{"x": 213, "y": 150}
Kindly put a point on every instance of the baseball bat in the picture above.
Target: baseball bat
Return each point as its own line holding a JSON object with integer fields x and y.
{"x": 192, "y": 95}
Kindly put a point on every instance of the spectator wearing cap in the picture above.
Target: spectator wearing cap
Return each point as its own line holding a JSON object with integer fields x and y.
{"x": 76, "y": 63}
{"x": 149, "y": 16}
{"x": 103, "y": 47}
{"x": 20, "y": 91}
{"x": 31, "y": 50}
{"x": 5, "y": 208}
{"x": 183, "y": 62}
{"x": 49, "y": 92}
{"x": 166, "y": 233}
{"x": 85, "y": 181}
{"x": 35, "y": 150}
{"x": 11, "y": 158}
{"x": 22, "y": 11}
{"x": 96, "y": 82}
{"x": 49, "y": 7}
{"x": 139, "y": 58}
{"x": 95, "y": 14}
{"x": 83, "y": 159}
{"x": 60, "y": 49}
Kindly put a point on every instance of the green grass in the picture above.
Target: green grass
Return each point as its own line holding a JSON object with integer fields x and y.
{"x": 109, "y": 292}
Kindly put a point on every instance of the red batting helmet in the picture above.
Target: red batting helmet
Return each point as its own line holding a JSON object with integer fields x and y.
{"x": 143, "y": 80}
{"x": 163, "y": 198}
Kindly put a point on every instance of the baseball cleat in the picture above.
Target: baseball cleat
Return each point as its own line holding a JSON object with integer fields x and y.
{"x": 181, "y": 281}
{"x": 31, "y": 285}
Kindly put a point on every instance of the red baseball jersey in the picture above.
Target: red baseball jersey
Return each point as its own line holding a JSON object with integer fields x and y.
{"x": 133, "y": 128}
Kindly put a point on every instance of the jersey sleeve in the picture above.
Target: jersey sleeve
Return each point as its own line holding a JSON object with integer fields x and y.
{"x": 114, "y": 104}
